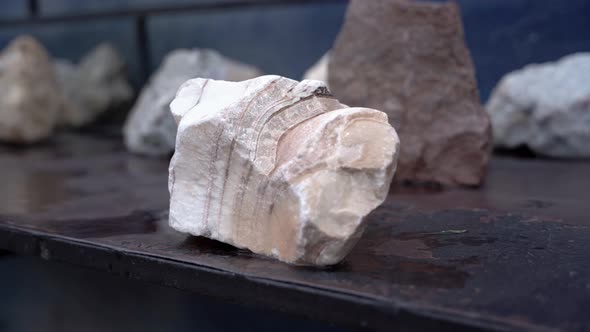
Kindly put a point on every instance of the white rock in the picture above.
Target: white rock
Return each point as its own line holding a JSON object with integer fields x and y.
{"x": 150, "y": 128}
{"x": 30, "y": 100}
{"x": 545, "y": 107}
{"x": 319, "y": 71}
{"x": 277, "y": 166}
{"x": 97, "y": 84}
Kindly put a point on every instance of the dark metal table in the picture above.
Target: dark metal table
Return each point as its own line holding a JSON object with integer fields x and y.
{"x": 513, "y": 255}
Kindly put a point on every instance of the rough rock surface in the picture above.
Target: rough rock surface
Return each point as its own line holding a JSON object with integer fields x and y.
{"x": 545, "y": 107}
{"x": 319, "y": 71}
{"x": 30, "y": 100}
{"x": 277, "y": 166}
{"x": 150, "y": 128}
{"x": 97, "y": 84}
{"x": 409, "y": 60}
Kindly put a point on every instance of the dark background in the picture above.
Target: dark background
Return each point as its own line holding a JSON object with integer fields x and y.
{"x": 280, "y": 37}
{"x": 284, "y": 37}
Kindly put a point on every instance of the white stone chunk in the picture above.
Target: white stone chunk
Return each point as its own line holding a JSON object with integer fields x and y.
{"x": 277, "y": 166}
{"x": 545, "y": 107}
{"x": 150, "y": 129}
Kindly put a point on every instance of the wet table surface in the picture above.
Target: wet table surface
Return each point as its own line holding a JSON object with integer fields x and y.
{"x": 512, "y": 255}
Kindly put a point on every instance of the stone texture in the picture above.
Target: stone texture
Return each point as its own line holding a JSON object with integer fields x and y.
{"x": 277, "y": 166}
{"x": 98, "y": 84}
{"x": 30, "y": 100}
{"x": 150, "y": 128}
{"x": 319, "y": 70}
{"x": 545, "y": 107}
{"x": 409, "y": 60}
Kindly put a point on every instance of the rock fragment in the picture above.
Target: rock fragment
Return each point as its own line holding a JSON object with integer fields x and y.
{"x": 98, "y": 84}
{"x": 545, "y": 107}
{"x": 277, "y": 166}
{"x": 30, "y": 99}
{"x": 409, "y": 59}
{"x": 150, "y": 128}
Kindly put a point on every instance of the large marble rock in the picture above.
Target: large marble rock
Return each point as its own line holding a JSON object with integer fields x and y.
{"x": 98, "y": 84}
{"x": 277, "y": 166}
{"x": 545, "y": 107}
{"x": 150, "y": 128}
{"x": 30, "y": 99}
{"x": 409, "y": 59}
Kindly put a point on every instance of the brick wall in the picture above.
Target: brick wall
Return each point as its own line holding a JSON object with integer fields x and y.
{"x": 284, "y": 36}
{"x": 280, "y": 37}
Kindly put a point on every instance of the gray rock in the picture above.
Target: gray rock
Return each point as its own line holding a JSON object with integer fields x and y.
{"x": 30, "y": 100}
{"x": 545, "y": 107}
{"x": 97, "y": 84}
{"x": 277, "y": 166}
{"x": 150, "y": 128}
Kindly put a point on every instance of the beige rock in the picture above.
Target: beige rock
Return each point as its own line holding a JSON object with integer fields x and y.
{"x": 545, "y": 107}
{"x": 30, "y": 100}
{"x": 277, "y": 166}
{"x": 319, "y": 71}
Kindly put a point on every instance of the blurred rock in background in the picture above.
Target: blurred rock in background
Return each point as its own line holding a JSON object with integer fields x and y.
{"x": 319, "y": 70}
{"x": 545, "y": 107}
{"x": 37, "y": 95}
{"x": 98, "y": 84}
{"x": 150, "y": 128}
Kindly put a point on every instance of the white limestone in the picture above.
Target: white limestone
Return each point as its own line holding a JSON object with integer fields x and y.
{"x": 545, "y": 107}
{"x": 319, "y": 70}
{"x": 277, "y": 166}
